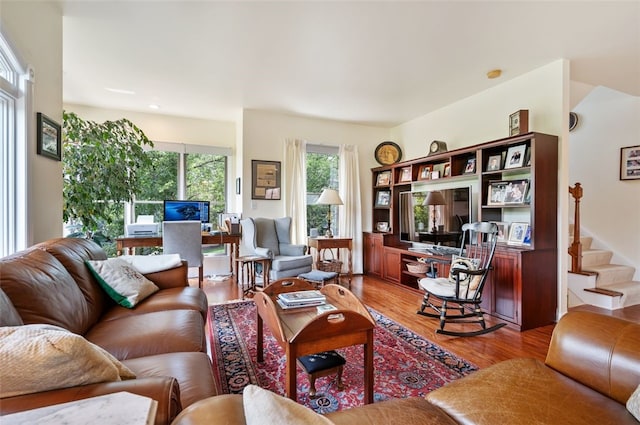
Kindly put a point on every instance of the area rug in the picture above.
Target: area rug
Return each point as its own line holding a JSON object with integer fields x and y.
{"x": 405, "y": 363}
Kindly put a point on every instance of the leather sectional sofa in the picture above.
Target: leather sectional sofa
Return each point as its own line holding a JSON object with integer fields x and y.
{"x": 592, "y": 368}
{"x": 162, "y": 339}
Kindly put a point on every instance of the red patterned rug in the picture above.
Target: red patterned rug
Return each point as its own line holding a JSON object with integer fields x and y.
{"x": 405, "y": 363}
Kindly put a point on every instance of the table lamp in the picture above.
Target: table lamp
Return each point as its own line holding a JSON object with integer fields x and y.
{"x": 329, "y": 197}
{"x": 434, "y": 199}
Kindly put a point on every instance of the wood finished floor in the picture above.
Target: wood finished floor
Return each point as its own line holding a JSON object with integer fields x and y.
{"x": 400, "y": 304}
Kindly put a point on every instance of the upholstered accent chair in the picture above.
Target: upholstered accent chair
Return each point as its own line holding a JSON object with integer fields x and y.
{"x": 271, "y": 238}
{"x": 184, "y": 238}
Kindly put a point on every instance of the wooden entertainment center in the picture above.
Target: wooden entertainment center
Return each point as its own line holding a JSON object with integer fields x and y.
{"x": 522, "y": 287}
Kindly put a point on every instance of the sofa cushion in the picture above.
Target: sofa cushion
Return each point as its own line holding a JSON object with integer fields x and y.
{"x": 35, "y": 358}
{"x": 43, "y": 291}
{"x": 193, "y": 371}
{"x": 8, "y": 314}
{"x": 289, "y": 263}
{"x": 150, "y": 333}
{"x": 264, "y": 407}
{"x": 126, "y": 285}
{"x": 633, "y": 404}
{"x": 525, "y": 391}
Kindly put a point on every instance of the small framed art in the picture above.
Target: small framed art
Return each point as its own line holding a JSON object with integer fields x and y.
{"x": 471, "y": 166}
{"x": 382, "y": 226}
{"x": 503, "y": 230}
{"x": 519, "y": 122}
{"x": 424, "y": 173}
{"x": 630, "y": 163}
{"x": 384, "y": 178}
{"x": 447, "y": 170}
{"x": 265, "y": 179}
{"x": 405, "y": 174}
{"x": 495, "y": 163}
{"x": 49, "y": 137}
{"x": 383, "y": 198}
{"x": 515, "y": 156}
{"x": 517, "y": 233}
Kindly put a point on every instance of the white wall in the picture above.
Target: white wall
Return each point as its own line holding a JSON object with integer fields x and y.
{"x": 484, "y": 117}
{"x": 610, "y": 208}
{"x": 34, "y": 29}
{"x": 264, "y": 134}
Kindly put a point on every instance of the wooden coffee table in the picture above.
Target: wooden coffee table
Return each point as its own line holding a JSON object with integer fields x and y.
{"x": 304, "y": 331}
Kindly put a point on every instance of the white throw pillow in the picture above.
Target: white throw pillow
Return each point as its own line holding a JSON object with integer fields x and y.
{"x": 464, "y": 263}
{"x": 126, "y": 285}
{"x": 264, "y": 407}
{"x": 35, "y": 358}
{"x": 633, "y": 404}
{"x": 153, "y": 263}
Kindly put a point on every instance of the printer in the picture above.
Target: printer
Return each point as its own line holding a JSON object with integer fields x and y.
{"x": 144, "y": 226}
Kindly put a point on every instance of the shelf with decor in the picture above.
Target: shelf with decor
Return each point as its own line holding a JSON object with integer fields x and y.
{"x": 512, "y": 182}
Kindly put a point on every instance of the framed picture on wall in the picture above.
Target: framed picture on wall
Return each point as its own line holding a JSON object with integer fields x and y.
{"x": 265, "y": 179}
{"x": 49, "y": 137}
{"x": 630, "y": 163}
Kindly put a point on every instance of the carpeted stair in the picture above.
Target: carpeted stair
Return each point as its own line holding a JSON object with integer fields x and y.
{"x": 610, "y": 286}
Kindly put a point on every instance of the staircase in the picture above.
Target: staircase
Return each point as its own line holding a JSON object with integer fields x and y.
{"x": 601, "y": 283}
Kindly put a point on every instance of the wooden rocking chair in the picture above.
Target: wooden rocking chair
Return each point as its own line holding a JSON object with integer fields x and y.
{"x": 463, "y": 288}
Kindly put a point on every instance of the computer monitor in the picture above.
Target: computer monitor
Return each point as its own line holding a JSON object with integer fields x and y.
{"x": 175, "y": 210}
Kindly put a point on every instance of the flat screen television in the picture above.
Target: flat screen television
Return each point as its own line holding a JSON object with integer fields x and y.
{"x": 175, "y": 210}
{"x": 416, "y": 219}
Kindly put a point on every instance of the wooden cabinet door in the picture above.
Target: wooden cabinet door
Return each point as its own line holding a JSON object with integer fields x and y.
{"x": 372, "y": 254}
{"x": 392, "y": 267}
{"x": 504, "y": 286}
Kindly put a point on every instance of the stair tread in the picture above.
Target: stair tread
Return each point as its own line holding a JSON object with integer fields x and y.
{"x": 605, "y": 291}
{"x": 609, "y": 266}
{"x": 633, "y": 285}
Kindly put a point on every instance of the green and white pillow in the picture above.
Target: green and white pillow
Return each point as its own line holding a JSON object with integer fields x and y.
{"x": 122, "y": 281}
{"x": 466, "y": 279}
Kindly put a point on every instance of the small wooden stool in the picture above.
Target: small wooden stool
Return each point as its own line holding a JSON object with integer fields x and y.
{"x": 322, "y": 364}
{"x": 319, "y": 277}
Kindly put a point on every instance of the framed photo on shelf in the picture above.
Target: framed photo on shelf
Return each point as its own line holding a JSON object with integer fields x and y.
{"x": 424, "y": 173}
{"x": 496, "y": 192}
{"x": 517, "y": 233}
{"x": 471, "y": 166}
{"x": 384, "y": 178}
{"x": 383, "y": 198}
{"x": 503, "y": 230}
{"x": 630, "y": 163}
{"x": 447, "y": 170}
{"x": 495, "y": 163}
{"x": 527, "y": 236}
{"x": 515, "y": 156}
{"x": 405, "y": 174}
{"x": 382, "y": 226}
{"x": 516, "y": 191}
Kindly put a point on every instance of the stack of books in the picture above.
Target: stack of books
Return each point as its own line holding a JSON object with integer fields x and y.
{"x": 300, "y": 299}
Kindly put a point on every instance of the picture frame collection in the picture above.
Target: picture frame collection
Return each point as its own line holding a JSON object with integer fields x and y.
{"x": 508, "y": 192}
{"x": 516, "y": 156}
{"x": 516, "y": 233}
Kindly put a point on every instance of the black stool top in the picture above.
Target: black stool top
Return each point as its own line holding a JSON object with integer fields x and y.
{"x": 321, "y": 361}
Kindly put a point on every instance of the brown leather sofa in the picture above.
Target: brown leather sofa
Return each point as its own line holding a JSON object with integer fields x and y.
{"x": 592, "y": 368}
{"x": 162, "y": 340}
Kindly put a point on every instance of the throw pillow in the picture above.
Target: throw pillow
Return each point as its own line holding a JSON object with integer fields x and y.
{"x": 633, "y": 404}
{"x": 152, "y": 263}
{"x": 264, "y": 407}
{"x": 126, "y": 285}
{"x": 463, "y": 263}
{"x": 35, "y": 358}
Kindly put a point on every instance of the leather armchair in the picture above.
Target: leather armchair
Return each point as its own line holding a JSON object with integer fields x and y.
{"x": 271, "y": 238}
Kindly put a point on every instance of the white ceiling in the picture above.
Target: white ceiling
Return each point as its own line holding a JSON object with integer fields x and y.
{"x": 379, "y": 63}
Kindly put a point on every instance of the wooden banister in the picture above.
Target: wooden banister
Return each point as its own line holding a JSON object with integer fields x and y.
{"x": 575, "y": 249}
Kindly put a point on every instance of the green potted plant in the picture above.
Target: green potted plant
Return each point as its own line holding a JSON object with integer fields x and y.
{"x": 101, "y": 164}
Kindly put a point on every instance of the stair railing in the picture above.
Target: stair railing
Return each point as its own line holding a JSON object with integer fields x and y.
{"x": 575, "y": 250}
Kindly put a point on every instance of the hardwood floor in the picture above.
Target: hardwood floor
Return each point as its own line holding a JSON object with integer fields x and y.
{"x": 400, "y": 304}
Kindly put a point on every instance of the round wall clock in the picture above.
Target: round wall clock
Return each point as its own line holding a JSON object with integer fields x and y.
{"x": 388, "y": 153}
{"x": 573, "y": 120}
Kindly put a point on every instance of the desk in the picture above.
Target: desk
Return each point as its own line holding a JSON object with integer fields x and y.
{"x": 126, "y": 244}
{"x": 304, "y": 331}
{"x": 321, "y": 243}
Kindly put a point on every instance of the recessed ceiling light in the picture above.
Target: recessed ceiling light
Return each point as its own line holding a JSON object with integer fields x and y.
{"x": 119, "y": 91}
{"x": 154, "y": 106}
{"x": 494, "y": 73}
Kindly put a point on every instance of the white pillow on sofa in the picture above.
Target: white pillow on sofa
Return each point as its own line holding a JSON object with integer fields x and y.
{"x": 633, "y": 404}
{"x": 122, "y": 281}
{"x": 35, "y": 358}
{"x": 264, "y": 407}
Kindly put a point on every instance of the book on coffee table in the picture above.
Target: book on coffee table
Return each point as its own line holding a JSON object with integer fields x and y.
{"x": 301, "y": 304}
{"x": 297, "y": 297}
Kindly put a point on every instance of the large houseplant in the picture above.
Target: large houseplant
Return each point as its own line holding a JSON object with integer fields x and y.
{"x": 101, "y": 168}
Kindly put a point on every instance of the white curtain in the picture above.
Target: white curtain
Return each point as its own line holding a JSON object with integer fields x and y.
{"x": 350, "y": 217}
{"x": 295, "y": 188}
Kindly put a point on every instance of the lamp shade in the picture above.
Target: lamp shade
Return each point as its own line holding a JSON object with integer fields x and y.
{"x": 434, "y": 198}
{"x": 330, "y": 197}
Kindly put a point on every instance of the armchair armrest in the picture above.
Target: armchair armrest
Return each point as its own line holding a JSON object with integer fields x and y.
{"x": 171, "y": 278}
{"x": 264, "y": 252}
{"x": 293, "y": 249}
{"x": 164, "y": 390}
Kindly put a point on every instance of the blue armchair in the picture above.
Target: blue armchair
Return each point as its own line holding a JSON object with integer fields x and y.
{"x": 272, "y": 238}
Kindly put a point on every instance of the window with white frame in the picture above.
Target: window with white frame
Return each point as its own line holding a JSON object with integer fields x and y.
{"x": 15, "y": 92}
{"x": 322, "y": 172}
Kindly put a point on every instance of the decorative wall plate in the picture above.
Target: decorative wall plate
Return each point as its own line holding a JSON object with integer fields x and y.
{"x": 388, "y": 153}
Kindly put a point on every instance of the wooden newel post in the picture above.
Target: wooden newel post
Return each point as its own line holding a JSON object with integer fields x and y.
{"x": 575, "y": 250}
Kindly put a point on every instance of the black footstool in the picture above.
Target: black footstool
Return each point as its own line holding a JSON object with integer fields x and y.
{"x": 322, "y": 364}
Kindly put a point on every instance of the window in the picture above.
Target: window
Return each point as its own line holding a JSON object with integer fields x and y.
{"x": 322, "y": 172}
{"x": 15, "y": 89}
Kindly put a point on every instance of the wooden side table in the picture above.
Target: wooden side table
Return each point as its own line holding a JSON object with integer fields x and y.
{"x": 247, "y": 264}
{"x": 321, "y": 243}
